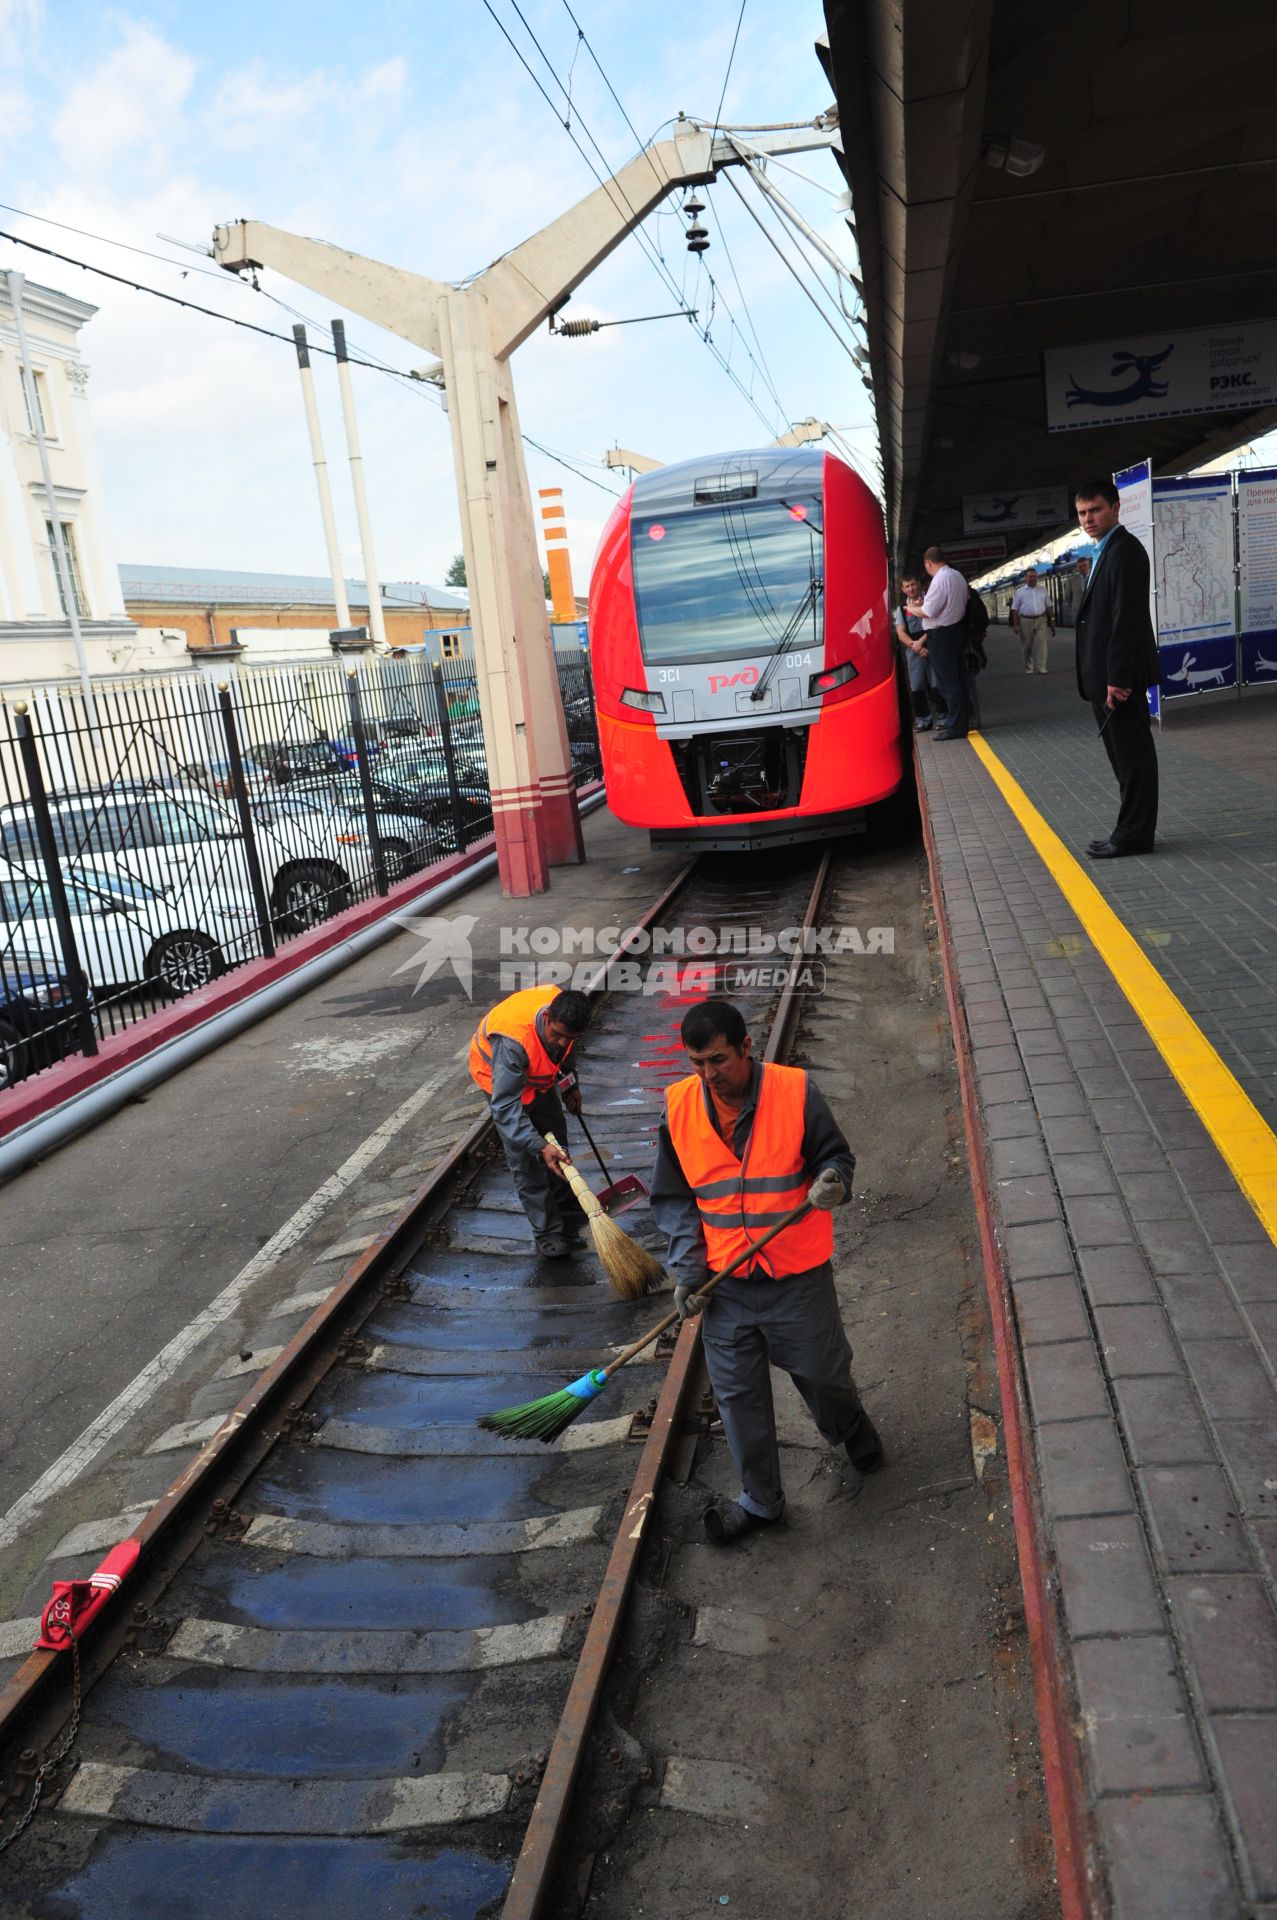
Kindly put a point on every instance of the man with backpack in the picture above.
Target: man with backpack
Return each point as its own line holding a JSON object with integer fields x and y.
{"x": 942, "y": 611}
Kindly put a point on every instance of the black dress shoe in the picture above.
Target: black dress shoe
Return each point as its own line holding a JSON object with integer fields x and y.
{"x": 1105, "y": 850}
{"x": 1093, "y": 846}
{"x": 729, "y": 1521}
{"x": 946, "y": 733}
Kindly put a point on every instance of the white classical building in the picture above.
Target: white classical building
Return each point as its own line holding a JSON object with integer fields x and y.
{"x": 35, "y": 632}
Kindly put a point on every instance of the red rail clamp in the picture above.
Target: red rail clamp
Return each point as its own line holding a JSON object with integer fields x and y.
{"x": 75, "y": 1602}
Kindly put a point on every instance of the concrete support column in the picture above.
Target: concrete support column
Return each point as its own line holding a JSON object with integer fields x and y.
{"x": 556, "y": 781}
{"x": 480, "y": 441}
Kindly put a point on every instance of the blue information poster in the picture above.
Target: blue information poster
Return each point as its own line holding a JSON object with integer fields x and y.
{"x": 1257, "y": 560}
{"x": 1194, "y": 583}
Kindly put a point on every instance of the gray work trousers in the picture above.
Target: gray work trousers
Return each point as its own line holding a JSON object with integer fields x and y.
{"x": 544, "y": 1196}
{"x": 792, "y": 1323}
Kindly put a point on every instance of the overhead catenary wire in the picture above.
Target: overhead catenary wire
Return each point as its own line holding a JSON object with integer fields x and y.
{"x": 623, "y": 205}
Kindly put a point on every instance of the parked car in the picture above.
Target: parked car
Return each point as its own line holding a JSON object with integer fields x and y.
{"x": 416, "y": 788}
{"x": 331, "y": 814}
{"x": 126, "y": 934}
{"x": 188, "y": 846}
{"x": 37, "y": 1024}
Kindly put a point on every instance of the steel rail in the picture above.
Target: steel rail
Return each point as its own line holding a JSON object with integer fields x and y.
{"x": 547, "y": 1826}
{"x": 1065, "y": 1792}
{"x": 227, "y": 1459}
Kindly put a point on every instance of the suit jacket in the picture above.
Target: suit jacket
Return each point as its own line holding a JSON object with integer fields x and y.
{"x": 1116, "y": 645}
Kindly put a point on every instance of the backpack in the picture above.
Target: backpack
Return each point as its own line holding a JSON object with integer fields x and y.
{"x": 975, "y": 624}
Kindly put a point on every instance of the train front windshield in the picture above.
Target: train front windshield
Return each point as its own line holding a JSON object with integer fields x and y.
{"x": 722, "y": 581}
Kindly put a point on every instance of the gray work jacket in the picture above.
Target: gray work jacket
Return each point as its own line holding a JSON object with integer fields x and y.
{"x": 509, "y": 1078}
{"x": 674, "y": 1204}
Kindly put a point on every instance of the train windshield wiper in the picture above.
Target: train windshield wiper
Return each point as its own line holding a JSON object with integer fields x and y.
{"x": 815, "y": 587}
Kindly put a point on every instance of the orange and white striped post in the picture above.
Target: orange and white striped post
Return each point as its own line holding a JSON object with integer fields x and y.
{"x": 557, "y": 559}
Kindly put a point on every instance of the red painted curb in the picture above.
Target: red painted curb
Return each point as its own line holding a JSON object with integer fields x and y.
{"x": 71, "y": 1078}
{"x": 1061, "y": 1764}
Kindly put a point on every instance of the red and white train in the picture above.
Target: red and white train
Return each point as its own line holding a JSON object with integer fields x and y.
{"x": 744, "y": 666}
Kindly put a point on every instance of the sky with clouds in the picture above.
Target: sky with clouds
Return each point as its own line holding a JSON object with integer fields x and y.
{"x": 412, "y": 134}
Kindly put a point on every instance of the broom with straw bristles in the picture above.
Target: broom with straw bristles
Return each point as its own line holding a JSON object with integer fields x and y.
{"x": 630, "y": 1268}
{"x": 546, "y": 1418}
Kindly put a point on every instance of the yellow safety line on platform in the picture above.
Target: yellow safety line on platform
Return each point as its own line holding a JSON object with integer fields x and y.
{"x": 1226, "y": 1111}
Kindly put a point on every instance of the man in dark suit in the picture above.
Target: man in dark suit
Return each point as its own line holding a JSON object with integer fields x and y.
{"x": 1117, "y": 664}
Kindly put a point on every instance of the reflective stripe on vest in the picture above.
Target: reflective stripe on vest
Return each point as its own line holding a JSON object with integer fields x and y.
{"x": 516, "y": 1018}
{"x": 738, "y": 1202}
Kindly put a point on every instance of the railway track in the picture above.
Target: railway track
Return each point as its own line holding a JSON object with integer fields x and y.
{"x": 359, "y": 1661}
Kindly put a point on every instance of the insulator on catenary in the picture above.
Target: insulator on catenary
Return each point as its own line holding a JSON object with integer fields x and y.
{"x": 574, "y": 329}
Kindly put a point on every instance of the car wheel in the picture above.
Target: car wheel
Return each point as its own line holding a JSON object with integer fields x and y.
{"x": 308, "y": 893}
{"x": 13, "y": 1055}
{"x": 398, "y": 858}
{"x": 181, "y": 963}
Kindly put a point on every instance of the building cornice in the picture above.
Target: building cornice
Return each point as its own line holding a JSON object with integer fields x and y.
{"x": 46, "y": 303}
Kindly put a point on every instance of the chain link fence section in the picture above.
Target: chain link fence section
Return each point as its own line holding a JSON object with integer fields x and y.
{"x": 188, "y": 825}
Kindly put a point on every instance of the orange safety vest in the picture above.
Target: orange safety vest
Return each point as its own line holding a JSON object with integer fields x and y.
{"x": 737, "y": 1201}
{"x": 517, "y": 1019}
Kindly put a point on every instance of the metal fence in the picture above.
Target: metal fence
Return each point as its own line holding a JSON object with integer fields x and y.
{"x": 181, "y": 827}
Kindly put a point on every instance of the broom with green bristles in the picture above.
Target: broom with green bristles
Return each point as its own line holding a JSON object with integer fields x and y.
{"x": 546, "y": 1418}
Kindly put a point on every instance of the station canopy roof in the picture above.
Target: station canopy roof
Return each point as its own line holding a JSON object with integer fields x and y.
{"x": 1151, "y": 130}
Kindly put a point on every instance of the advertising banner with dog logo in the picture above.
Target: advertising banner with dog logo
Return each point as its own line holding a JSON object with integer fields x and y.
{"x": 1257, "y": 563}
{"x": 1193, "y": 572}
{"x": 1010, "y": 512}
{"x": 1158, "y": 375}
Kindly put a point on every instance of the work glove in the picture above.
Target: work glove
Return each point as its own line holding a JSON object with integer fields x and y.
{"x": 826, "y": 1191}
{"x": 569, "y": 1089}
{"x": 688, "y": 1301}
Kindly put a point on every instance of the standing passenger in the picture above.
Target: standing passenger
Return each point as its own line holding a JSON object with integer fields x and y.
{"x": 1116, "y": 665}
{"x": 943, "y": 615}
{"x": 909, "y": 633}
{"x": 1032, "y": 620}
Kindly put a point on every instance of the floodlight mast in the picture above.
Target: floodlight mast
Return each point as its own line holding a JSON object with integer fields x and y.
{"x": 474, "y": 329}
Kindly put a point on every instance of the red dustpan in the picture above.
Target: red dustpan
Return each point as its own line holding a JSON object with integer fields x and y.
{"x": 620, "y": 1194}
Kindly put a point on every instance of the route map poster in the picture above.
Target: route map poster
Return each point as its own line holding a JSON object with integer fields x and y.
{"x": 1135, "y": 502}
{"x": 1193, "y": 575}
{"x": 1257, "y": 559}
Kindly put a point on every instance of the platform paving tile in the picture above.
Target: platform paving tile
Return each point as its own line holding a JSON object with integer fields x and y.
{"x": 1247, "y": 1747}
{"x": 1161, "y": 1421}
{"x": 1147, "y": 1315}
{"x": 1138, "y": 1728}
{"x": 1168, "y": 1858}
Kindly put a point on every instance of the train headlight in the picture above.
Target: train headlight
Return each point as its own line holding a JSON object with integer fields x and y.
{"x": 832, "y": 677}
{"x": 645, "y": 702}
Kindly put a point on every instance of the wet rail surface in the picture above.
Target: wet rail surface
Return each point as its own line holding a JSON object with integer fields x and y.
{"x": 344, "y": 1700}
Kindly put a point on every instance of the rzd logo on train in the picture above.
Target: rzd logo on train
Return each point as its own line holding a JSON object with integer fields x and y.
{"x": 747, "y": 677}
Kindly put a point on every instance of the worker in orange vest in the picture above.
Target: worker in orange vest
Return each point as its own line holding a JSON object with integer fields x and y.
{"x": 519, "y": 1060}
{"x": 741, "y": 1144}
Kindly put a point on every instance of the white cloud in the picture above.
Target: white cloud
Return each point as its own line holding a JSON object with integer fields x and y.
{"x": 131, "y": 104}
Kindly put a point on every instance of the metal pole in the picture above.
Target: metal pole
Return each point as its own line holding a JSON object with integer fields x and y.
{"x": 77, "y": 979}
{"x": 375, "y": 617}
{"x": 321, "y": 478}
{"x": 61, "y": 559}
{"x": 239, "y": 793}
{"x": 356, "y": 704}
{"x": 449, "y": 753}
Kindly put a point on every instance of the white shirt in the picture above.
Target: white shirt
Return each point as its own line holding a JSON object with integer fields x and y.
{"x": 1030, "y": 600}
{"x": 945, "y": 600}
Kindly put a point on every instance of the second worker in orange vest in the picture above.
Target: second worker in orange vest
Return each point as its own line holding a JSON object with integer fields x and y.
{"x": 519, "y": 1061}
{"x": 742, "y": 1144}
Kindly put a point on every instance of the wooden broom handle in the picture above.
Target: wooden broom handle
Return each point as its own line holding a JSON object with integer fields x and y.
{"x": 654, "y": 1333}
{"x": 586, "y": 1195}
